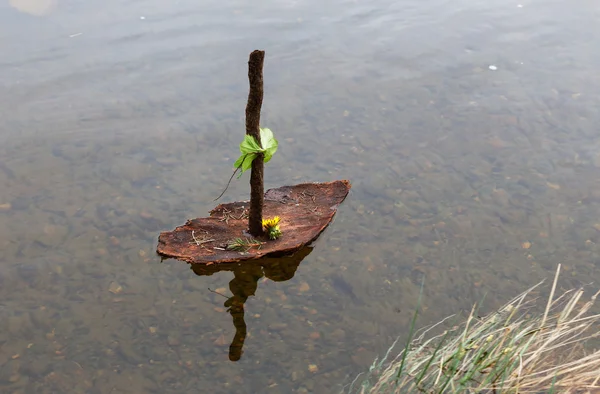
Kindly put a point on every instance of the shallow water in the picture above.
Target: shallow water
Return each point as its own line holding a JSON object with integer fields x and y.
{"x": 121, "y": 119}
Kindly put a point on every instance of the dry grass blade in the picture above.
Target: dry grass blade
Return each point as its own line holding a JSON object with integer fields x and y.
{"x": 513, "y": 350}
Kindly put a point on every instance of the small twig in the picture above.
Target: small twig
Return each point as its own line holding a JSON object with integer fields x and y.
{"x": 314, "y": 210}
{"x": 228, "y": 182}
{"x": 216, "y": 292}
{"x": 304, "y": 194}
{"x": 244, "y": 215}
{"x": 200, "y": 241}
{"x": 227, "y": 214}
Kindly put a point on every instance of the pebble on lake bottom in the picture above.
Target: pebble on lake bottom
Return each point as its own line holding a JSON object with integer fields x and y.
{"x": 115, "y": 288}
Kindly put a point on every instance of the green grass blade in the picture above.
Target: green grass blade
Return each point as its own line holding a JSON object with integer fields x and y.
{"x": 411, "y": 332}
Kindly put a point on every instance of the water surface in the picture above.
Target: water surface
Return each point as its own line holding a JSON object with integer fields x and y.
{"x": 468, "y": 130}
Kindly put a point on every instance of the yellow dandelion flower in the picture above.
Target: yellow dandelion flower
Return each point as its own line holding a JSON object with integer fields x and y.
{"x": 271, "y": 226}
{"x": 271, "y": 223}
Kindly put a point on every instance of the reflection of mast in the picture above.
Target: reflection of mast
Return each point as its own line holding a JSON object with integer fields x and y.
{"x": 235, "y": 349}
{"x": 244, "y": 284}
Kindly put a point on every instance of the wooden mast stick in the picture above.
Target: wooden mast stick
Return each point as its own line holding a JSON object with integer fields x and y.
{"x": 253, "y": 107}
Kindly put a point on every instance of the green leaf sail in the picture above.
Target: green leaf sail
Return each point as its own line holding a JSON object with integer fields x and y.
{"x": 250, "y": 149}
{"x": 244, "y": 162}
{"x": 269, "y": 143}
{"x": 249, "y": 145}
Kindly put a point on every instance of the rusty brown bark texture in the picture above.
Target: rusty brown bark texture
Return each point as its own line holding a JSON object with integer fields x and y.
{"x": 255, "y": 98}
{"x": 305, "y": 210}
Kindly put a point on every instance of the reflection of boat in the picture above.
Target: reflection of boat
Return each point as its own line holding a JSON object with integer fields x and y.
{"x": 244, "y": 284}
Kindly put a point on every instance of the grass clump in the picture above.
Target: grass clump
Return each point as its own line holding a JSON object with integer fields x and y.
{"x": 512, "y": 350}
